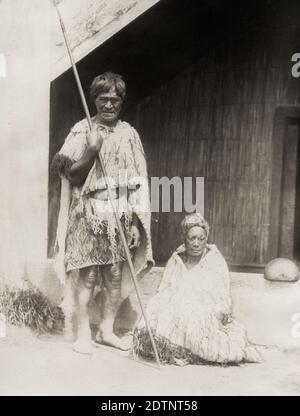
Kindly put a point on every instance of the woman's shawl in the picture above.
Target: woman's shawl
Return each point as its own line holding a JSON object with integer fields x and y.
{"x": 210, "y": 278}
{"x": 192, "y": 310}
{"x": 125, "y": 164}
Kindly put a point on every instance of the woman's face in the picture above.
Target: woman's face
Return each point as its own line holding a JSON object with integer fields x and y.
{"x": 108, "y": 106}
{"x": 195, "y": 241}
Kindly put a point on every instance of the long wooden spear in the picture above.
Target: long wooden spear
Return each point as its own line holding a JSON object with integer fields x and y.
{"x": 122, "y": 235}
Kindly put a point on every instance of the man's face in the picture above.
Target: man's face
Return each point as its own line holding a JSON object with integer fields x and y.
{"x": 108, "y": 106}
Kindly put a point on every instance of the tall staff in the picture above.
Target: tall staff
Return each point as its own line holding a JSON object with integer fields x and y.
{"x": 122, "y": 235}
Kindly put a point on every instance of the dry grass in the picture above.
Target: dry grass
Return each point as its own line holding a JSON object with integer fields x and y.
{"x": 30, "y": 308}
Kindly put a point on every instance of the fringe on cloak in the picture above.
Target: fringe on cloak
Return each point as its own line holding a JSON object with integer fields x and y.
{"x": 191, "y": 315}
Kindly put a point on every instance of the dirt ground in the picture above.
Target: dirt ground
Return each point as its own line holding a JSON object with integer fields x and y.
{"x": 46, "y": 365}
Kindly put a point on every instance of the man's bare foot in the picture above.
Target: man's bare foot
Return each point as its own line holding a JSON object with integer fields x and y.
{"x": 112, "y": 340}
{"x": 83, "y": 345}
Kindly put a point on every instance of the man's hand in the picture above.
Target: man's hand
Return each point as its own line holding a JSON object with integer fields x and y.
{"x": 80, "y": 169}
{"x": 135, "y": 237}
{"x": 95, "y": 138}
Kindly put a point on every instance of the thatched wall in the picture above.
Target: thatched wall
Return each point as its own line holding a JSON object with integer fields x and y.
{"x": 204, "y": 98}
{"x": 216, "y": 120}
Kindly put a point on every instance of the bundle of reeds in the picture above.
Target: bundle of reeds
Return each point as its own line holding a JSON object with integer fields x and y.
{"x": 168, "y": 353}
{"x": 28, "y": 307}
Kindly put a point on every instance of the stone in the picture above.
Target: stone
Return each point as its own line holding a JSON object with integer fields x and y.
{"x": 281, "y": 270}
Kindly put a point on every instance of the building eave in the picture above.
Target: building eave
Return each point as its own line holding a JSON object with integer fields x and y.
{"x": 89, "y": 30}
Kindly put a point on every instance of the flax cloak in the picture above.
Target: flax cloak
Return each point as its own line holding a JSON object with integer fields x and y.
{"x": 131, "y": 160}
{"x": 191, "y": 315}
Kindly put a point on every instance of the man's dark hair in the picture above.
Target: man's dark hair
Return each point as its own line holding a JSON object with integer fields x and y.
{"x": 104, "y": 82}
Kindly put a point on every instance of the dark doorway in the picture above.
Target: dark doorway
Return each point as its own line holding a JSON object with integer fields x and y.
{"x": 289, "y": 235}
{"x": 285, "y": 202}
{"x": 297, "y": 199}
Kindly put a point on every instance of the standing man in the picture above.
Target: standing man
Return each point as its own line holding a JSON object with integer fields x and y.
{"x": 88, "y": 239}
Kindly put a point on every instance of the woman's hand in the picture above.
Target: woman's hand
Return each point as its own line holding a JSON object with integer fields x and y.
{"x": 95, "y": 138}
{"x": 226, "y": 318}
{"x": 135, "y": 237}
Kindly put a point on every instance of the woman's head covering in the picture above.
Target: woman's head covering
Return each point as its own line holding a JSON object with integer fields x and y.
{"x": 194, "y": 220}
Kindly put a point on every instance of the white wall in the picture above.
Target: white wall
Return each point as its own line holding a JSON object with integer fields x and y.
{"x": 24, "y": 133}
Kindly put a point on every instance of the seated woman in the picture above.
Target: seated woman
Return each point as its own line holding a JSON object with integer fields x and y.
{"x": 191, "y": 315}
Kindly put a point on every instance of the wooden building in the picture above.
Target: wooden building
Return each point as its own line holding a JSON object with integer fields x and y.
{"x": 210, "y": 91}
{"x": 33, "y": 53}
